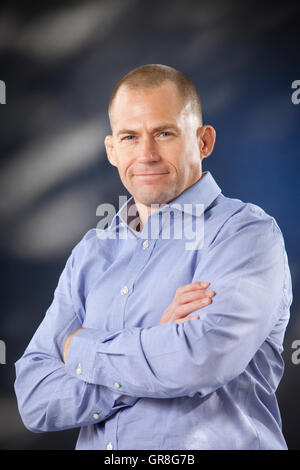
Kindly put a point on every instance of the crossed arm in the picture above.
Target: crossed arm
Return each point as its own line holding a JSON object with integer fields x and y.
{"x": 49, "y": 398}
{"x": 188, "y": 298}
{"x": 176, "y": 358}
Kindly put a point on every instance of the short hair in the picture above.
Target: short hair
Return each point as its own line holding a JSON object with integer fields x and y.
{"x": 154, "y": 75}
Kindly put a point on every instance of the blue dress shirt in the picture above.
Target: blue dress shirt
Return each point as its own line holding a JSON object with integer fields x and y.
{"x": 131, "y": 383}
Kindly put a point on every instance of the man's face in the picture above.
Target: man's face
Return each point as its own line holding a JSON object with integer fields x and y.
{"x": 155, "y": 144}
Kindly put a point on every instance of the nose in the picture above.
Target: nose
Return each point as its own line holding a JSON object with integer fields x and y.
{"x": 147, "y": 151}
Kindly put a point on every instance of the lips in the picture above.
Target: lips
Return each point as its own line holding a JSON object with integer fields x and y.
{"x": 150, "y": 174}
{"x": 150, "y": 177}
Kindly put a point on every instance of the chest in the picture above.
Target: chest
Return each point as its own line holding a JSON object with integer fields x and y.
{"x": 138, "y": 285}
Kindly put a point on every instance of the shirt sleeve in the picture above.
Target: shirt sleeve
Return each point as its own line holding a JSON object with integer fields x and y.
{"x": 50, "y": 399}
{"x": 246, "y": 265}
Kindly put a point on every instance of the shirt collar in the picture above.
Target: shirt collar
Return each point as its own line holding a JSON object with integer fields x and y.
{"x": 198, "y": 196}
{"x": 203, "y": 192}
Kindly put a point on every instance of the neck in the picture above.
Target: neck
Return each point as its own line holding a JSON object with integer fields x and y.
{"x": 144, "y": 212}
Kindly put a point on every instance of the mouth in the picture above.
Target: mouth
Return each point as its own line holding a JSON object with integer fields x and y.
{"x": 150, "y": 176}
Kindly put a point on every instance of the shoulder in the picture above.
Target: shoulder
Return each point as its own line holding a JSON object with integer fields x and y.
{"x": 244, "y": 218}
{"x": 88, "y": 238}
{"x": 87, "y": 244}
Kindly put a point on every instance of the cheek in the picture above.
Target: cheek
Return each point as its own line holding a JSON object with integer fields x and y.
{"x": 190, "y": 153}
{"x": 174, "y": 152}
{"x": 125, "y": 159}
{"x": 180, "y": 154}
{"x": 125, "y": 169}
{"x": 187, "y": 159}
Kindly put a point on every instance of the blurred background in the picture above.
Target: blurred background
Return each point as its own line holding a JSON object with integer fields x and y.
{"x": 60, "y": 61}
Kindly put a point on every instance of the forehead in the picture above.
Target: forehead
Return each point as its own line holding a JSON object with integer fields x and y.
{"x": 157, "y": 103}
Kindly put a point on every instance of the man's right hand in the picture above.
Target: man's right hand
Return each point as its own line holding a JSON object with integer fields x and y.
{"x": 188, "y": 298}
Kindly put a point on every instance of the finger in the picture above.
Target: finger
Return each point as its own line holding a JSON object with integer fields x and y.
{"x": 195, "y": 295}
{"x": 186, "y": 309}
{"x": 192, "y": 286}
{"x": 183, "y": 320}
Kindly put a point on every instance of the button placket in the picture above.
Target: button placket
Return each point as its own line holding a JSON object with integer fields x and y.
{"x": 137, "y": 263}
{"x": 145, "y": 244}
{"x": 124, "y": 290}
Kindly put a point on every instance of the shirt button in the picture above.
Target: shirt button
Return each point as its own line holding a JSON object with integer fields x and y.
{"x": 124, "y": 290}
{"x": 145, "y": 244}
{"x": 109, "y": 446}
{"x": 96, "y": 415}
{"x": 117, "y": 385}
{"x": 78, "y": 370}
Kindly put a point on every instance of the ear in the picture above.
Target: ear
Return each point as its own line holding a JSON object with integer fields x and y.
{"x": 206, "y": 140}
{"x": 109, "y": 146}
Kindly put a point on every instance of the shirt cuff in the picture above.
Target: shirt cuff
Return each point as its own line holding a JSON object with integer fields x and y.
{"x": 81, "y": 354}
{"x": 80, "y": 363}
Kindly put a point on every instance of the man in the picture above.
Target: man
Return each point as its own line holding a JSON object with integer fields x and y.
{"x": 135, "y": 349}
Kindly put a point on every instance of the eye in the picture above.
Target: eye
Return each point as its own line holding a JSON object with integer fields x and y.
{"x": 166, "y": 134}
{"x": 129, "y": 137}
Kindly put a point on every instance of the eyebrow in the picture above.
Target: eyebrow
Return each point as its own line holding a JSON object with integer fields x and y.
{"x": 155, "y": 129}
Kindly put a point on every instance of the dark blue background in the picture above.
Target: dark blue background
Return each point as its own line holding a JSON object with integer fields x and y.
{"x": 60, "y": 62}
